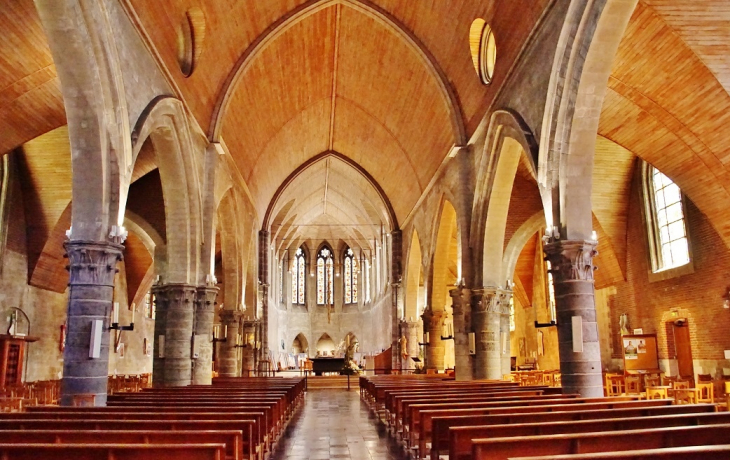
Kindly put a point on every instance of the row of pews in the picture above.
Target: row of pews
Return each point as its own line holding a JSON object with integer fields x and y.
{"x": 233, "y": 419}
{"x": 434, "y": 417}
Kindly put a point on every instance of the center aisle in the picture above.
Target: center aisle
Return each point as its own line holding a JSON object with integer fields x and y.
{"x": 336, "y": 424}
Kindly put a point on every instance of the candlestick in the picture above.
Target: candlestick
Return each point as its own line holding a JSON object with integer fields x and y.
{"x": 134, "y": 307}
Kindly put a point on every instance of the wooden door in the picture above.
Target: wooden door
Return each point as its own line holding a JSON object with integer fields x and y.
{"x": 683, "y": 349}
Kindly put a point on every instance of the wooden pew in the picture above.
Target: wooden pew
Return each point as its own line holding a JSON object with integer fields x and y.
{"x": 233, "y": 439}
{"x": 87, "y": 425}
{"x": 26, "y": 451}
{"x": 562, "y": 444}
{"x": 413, "y": 427}
{"x": 463, "y": 436}
{"x": 454, "y": 434}
{"x": 719, "y": 452}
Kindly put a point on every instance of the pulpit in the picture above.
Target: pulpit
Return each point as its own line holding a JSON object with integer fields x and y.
{"x": 12, "y": 355}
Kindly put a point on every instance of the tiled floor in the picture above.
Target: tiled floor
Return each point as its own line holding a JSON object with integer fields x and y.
{"x": 336, "y": 424}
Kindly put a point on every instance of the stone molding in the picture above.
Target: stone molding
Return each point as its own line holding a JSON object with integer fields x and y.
{"x": 92, "y": 263}
{"x": 490, "y": 300}
{"x": 174, "y": 295}
{"x": 205, "y": 298}
{"x": 571, "y": 260}
{"x": 230, "y": 316}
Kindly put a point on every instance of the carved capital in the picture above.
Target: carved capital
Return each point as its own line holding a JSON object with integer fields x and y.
{"x": 205, "y": 298}
{"x": 230, "y": 316}
{"x": 490, "y": 300}
{"x": 571, "y": 260}
{"x": 174, "y": 296}
{"x": 92, "y": 262}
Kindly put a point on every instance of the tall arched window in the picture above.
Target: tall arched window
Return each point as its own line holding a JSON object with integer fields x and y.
{"x": 325, "y": 275}
{"x": 297, "y": 278}
{"x": 350, "y": 277}
{"x": 669, "y": 246}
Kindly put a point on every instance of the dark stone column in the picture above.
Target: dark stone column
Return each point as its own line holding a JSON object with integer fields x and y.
{"x": 174, "y": 325}
{"x": 249, "y": 347}
{"x": 204, "y": 311}
{"x": 461, "y": 303}
{"x": 572, "y": 270}
{"x": 486, "y": 320}
{"x": 396, "y": 272}
{"x": 435, "y": 348}
{"x": 92, "y": 266}
{"x": 227, "y": 350}
{"x": 264, "y": 283}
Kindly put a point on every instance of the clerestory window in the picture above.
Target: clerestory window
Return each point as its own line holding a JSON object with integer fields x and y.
{"x": 350, "y": 277}
{"x": 297, "y": 278}
{"x": 325, "y": 274}
{"x": 667, "y": 232}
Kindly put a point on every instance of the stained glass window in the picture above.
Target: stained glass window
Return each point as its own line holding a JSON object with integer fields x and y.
{"x": 325, "y": 274}
{"x": 551, "y": 292}
{"x": 297, "y": 278}
{"x": 667, "y": 230}
{"x": 350, "y": 277}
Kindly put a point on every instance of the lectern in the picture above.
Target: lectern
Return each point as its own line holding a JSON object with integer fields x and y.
{"x": 12, "y": 353}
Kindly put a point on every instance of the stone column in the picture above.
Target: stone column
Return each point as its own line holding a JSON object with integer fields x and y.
{"x": 461, "y": 304}
{"x": 204, "y": 311}
{"x": 396, "y": 276}
{"x": 174, "y": 324}
{"x": 505, "y": 332}
{"x": 227, "y": 350}
{"x": 264, "y": 283}
{"x": 249, "y": 347}
{"x": 572, "y": 270}
{"x": 435, "y": 348}
{"x": 486, "y": 320}
{"x": 92, "y": 266}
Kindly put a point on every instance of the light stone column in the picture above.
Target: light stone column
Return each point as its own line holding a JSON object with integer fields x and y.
{"x": 174, "y": 321}
{"x": 204, "y": 312}
{"x": 227, "y": 352}
{"x": 461, "y": 304}
{"x": 435, "y": 348}
{"x": 572, "y": 270}
{"x": 486, "y": 320}
{"x": 249, "y": 347}
{"x": 505, "y": 332}
{"x": 92, "y": 266}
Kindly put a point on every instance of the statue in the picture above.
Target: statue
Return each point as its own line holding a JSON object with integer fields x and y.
{"x": 351, "y": 367}
{"x": 623, "y": 323}
{"x": 403, "y": 346}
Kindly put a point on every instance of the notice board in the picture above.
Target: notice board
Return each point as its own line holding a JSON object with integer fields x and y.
{"x": 640, "y": 352}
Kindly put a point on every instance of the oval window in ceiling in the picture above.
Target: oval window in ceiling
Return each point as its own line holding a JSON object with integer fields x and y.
{"x": 483, "y": 49}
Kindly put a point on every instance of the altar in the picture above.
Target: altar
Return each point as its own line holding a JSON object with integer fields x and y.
{"x": 320, "y": 365}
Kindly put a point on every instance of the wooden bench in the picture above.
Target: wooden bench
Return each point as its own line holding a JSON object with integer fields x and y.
{"x": 719, "y": 452}
{"x": 454, "y": 434}
{"x": 463, "y": 436}
{"x": 412, "y": 424}
{"x": 233, "y": 439}
{"x": 252, "y": 449}
{"x": 115, "y": 451}
{"x": 609, "y": 441}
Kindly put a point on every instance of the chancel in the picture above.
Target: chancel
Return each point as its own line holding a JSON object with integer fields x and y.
{"x": 503, "y": 224}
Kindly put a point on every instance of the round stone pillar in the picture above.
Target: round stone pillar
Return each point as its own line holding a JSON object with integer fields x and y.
{"x": 572, "y": 270}
{"x": 461, "y": 304}
{"x": 248, "y": 366}
{"x": 172, "y": 365}
{"x": 92, "y": 266}
{"x": 409, "y": 330}
{"x": 486, "y": 320}
{"x": 435, "y": 347}
{"x": 228, "y": 352}
{"x": 204, "y": 311}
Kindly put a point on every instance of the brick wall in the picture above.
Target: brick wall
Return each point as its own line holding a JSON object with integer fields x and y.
{"x": 698, "y": 295}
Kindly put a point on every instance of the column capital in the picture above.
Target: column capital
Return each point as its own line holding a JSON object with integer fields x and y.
{"x": 230, "y": 316}
{"x": 92, "y": 262}
{"x": 490, "y": 299}
{"x": 430, "y": 315}
{"x": 571, "y": 260}
{"x": 206, "y": 296}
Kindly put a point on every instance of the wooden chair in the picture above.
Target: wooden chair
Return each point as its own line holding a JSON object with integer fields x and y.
{"x": 633, "y": 385}
{"x": 656, "y": 392}
{"x": 680, "y": 385}
{"x": 615, "y": 385}
{"x": 686, "y": 395}
{"x": 651, "y": 380}
{"x": 706, "y": 392}
{"x": 668, "y": 380}
{"x": 704, "y": 378}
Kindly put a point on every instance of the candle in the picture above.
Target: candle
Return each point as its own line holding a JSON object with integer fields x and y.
{"x": 134, "y": 307}
{"x": 115, "y": 312}
{"x": 225, "y": 331}
{"x": 425, "y": 338}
